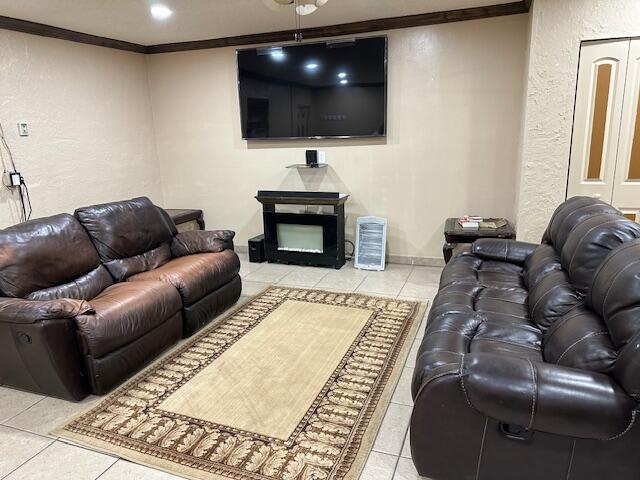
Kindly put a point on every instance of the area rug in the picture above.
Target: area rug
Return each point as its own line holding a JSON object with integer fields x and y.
{"x": 292, "y": 385}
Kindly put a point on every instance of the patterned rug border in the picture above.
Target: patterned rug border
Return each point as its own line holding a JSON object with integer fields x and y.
{"x": 364, "y": 433}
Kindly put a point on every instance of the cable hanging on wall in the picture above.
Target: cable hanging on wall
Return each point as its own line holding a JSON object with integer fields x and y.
{"x": 13, "y": 180}
{"x": 297, "y": 36}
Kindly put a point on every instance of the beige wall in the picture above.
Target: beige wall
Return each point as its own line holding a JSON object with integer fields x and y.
{"x": 454, "y": 116}
{"x": 91, "y": 133}
{"x": 557, "y": 28}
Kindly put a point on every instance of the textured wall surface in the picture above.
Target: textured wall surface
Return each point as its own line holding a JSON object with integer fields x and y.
{"x": 558, "y": 27}
{"x": 89, "y": 115}
{"x": 454, "y": 116}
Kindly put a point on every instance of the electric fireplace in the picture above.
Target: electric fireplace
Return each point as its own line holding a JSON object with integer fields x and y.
{"x": 303, "y": 238}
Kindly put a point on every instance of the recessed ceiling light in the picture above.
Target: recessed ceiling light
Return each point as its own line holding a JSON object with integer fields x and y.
{"x": 161, "y": 12}
{"x": 344, "y": 81}
{"x": 342, "y": 75}
{"x": 311, "y": 66}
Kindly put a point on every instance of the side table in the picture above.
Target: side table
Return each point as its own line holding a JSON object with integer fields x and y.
{"x": 455, "y": 234}
{"x": 182, "y": 216}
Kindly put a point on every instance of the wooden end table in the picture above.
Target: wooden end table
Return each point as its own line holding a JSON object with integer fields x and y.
{"x": 185, "y": 215}
{"x": 455, "y": 234}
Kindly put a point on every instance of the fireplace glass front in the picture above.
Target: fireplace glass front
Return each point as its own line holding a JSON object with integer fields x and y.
{"x": 300, "y": 238}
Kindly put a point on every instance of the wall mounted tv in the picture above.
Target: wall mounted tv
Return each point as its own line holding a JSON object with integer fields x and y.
{"x": 332, "y": 89}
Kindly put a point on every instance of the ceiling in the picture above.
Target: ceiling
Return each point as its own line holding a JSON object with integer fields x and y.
{"x": 130, "y": 20}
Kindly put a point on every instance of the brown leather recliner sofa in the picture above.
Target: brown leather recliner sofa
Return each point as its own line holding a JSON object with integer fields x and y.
{"x": 87, "y": 300}
{"x": 530, "y": 363}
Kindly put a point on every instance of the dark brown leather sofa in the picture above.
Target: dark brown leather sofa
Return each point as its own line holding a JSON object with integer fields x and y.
{"x": 530, "y": 364}
{"x": 136, "y": 241}
{"x": 87, "y": 300}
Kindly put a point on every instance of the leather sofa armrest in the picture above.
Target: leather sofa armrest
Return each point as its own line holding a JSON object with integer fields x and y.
{"x": 20, "y": 310}
{"x": 546, "y": 397}
{"x": 502, "y": 249}
{"x": 201, "y": 241}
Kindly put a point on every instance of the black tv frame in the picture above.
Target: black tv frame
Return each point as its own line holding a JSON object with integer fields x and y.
{"x": 319, "y": 137}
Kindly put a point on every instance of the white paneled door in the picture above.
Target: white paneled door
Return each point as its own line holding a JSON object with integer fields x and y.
{"x": 626, "y": 190}
{"x": 605, "y": 150}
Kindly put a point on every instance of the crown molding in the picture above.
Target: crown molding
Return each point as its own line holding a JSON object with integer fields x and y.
{"x": 25, "y": 26}
{"x": 353, "y": 28}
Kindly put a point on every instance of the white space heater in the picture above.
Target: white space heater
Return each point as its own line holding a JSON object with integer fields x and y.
{"x": 371, "y": 240}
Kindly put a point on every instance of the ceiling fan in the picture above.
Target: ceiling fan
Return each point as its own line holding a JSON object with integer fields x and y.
{"x": 303, "y": 7}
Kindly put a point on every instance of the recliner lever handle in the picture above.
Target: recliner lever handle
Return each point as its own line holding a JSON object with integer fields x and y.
{"x": 515, "y": 432}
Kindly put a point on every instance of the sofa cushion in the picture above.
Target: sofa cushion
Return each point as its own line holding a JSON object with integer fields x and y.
{"x": 496, "y": 303}
{"x": 539, "y": 264}
{"x": 615, "y": 292}
{"x": 124, "y": 229}
{"x": 85, "y": 287}
{"x": 503, "y": 304}
{"x": 469, "y": 268}
{"x": 551, "y": 299}
{"x": 495, "y": 320}
{"x": 615, "y": 295}
{"x": 125, "y": 312}
{"x": 202, "y": 241}
{"x": 42, "y": 253}
{"x": 195, "y": 275}
{"x": 123, "y": 268}
{"x": 589, "y": 244}
{"x": 580, "y": 340}
{"x": 502, "y": 338}
{"x": 572, "y": 213}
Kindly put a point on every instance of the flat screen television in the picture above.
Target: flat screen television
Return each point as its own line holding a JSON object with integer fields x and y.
{"x": 332, "y": 89}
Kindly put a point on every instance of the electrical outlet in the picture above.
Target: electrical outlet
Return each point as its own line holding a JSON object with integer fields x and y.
{"x": 23, "y": 129}
{"x": 15, "y": 179}
{"x": 322, "y": 158}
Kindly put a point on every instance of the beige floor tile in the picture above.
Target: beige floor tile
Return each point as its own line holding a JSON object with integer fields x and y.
{"x": 350, "y": 271}
{"x": 269, "y": 273}
{"x": 379, "y": 466}
{"x": 402, "y": 394}
{"x": 423, "y": 323}
{"x": 247, "y": 267}
{"x": 306, "y": 277}
{"x": 406, "y": 471}
{"x": 413, "y": 353}
{"x": 417, "y": 291}
{"x": 394, "y": 271}
{"x": 425, "y": 275}
{"x": 381, "y": 286}
{"x": 14, "y": 402}
{"x": 16, "y": 447}
{"x": 393, "y": 429}
{"x": 406, "y": 445}
{"x": 250, "y": 288}
{"x": 50, "y": 413}
{"x": 340, "y": 282}
{"x": 123, "y": 470}
{"x": 63, "y": 461}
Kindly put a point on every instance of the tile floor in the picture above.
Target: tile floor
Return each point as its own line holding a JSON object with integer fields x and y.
{"x": 27, "y": 451}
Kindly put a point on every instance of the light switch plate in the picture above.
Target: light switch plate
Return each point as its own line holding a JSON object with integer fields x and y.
{"x": 23, "y": 129}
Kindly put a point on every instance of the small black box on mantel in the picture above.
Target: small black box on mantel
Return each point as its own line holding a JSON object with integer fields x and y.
{"x": 312, "y": 158}
{"x": 256, "y": 249}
